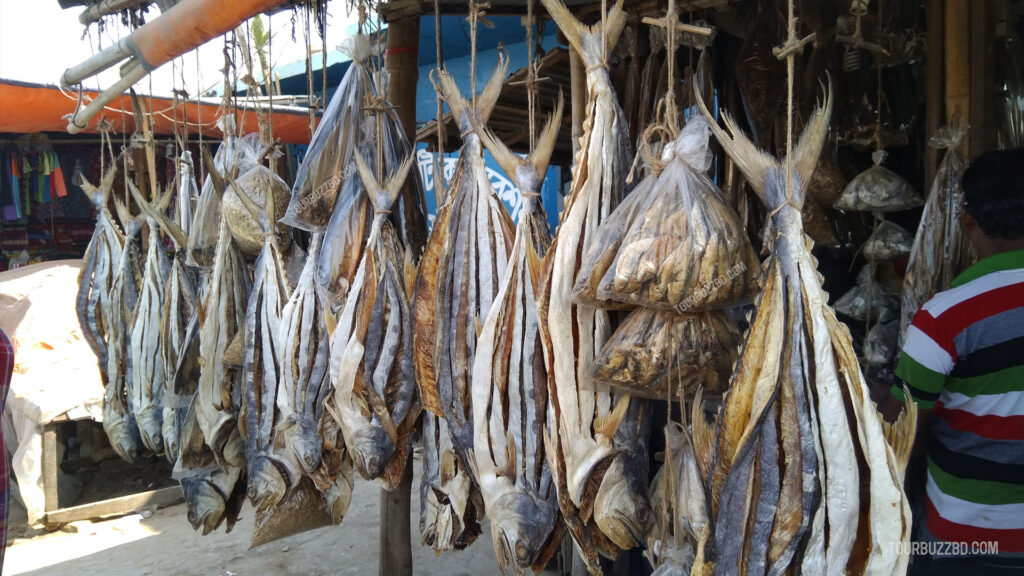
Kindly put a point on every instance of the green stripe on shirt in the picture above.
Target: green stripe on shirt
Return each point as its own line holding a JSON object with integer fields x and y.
{"x": 986, "y": 492}
{"x": 916, "y": 375}
{"x": 1006, "y": 380}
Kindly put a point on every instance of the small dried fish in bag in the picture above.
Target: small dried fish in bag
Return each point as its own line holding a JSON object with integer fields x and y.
{"x": 656, "y": 354}
{"x": 684, "y": 249}
{"x": 866, "y": 298}
{"x": 878, "y": 189}
{"x": 888, "y": 242}
{"x": 326, "y": 165}
{"x": 509, "y": 386}
{"x": 581, "y": 423}
{"x": 235, "y": 155}
{"x": 92, "y": 303}
{"x": 799, "y": 472}
{"x": 256, "y": 183}
{"x": 880, "y": 343}
{"x": 941, "y": 250}
{"x": 371, "y": 346}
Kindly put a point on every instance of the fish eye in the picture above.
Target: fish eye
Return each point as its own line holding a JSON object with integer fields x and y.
{"x": 521, "y": 550}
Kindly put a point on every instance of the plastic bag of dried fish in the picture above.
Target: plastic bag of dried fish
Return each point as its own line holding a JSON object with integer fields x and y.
{"x": 889, "y": 241}
{"x": 324, "y": 167}
{"x": 236, "y": 155}
{"x": 878, "y": 189}
{"x": 940, "y": 250}
{"x": 244, "y": 227}
{"x": 684, "y": 249}
{"x": 854, "y": 303}
{"x": 880, "y": 344}
{"x": 654, "y": 354}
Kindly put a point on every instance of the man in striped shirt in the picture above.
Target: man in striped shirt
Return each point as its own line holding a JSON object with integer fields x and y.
{"x": 963, "y": 362}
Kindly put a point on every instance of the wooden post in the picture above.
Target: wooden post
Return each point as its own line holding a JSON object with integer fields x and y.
{"x": 958, "y": 58}
{"x": 578, "y": 97}
{"x": 401, "y": 61}
{"x": 981, "y": 136}
{"x": 935, "y": 100}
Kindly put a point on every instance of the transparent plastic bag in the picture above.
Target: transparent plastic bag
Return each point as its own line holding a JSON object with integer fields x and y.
{"x": 654, "y": 353}
{"x": 855, "y": 303}
{"x": 685, "y": 249}
{"x": 888, "y": 242}
{"x": 880, "y": 344}
{"x": 234, "y": 153}
{"x": 246, "y": 230}
{"x": 878, "y": 189}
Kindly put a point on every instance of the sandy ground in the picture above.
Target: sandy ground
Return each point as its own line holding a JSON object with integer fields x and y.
{"x": 164, "y": 544}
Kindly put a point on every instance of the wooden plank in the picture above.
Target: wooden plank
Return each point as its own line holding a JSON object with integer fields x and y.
{"x": 158, "y": 498}
{"x": 50, "y": 464}
{"x": 935, "y": 105}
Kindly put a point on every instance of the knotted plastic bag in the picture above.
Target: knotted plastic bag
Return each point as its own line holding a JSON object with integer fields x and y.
{"x": 878, "y": 189}
{"x": 684, "y": 249}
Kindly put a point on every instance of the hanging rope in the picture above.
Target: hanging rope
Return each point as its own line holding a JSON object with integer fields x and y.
{"x": 439, "y": 184}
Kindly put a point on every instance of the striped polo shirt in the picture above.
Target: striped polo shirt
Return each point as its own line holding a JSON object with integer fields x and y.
{"x": 963, "y": 359}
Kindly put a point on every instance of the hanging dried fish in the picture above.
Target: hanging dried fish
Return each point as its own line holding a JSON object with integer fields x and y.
{"x": 92, "y": 303}
{"x": 800, "y": 475}
{"x": 449, "y": 502}
{"x": 878, "y": 189}
{"x": 758, "y": 72}
{"x": 371, "y": 346}
{"x": 940, "y": 251}
{"x": 118, "y": 416}
{"x": 867, "y": 300}
{"x": 888, "y": 242}
{"x": 306, "y": 429}
{"x": 509, "y": 386}
{"x": 581, "y": 423}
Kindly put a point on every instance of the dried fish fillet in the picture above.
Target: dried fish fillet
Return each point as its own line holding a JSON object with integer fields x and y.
{"x": 801, "y": 478}
{"x": 371, "y": 347}
{"x": 655, "y": 354}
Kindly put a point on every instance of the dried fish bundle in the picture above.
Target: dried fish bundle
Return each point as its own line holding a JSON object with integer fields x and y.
{"x": 684, "y": 249}
{"x": 345, "y": 239}
{"x": 867, "y": 300}
{"x": 236, "y": 155}
{"x": 147, "y": 380}
{"x": 371, "y": 346}
{"x": 509, "y": 386}
{"x": 321, "y": 177}
{"x": 656, "y": 354}
{"x": 219, "y": 391}
{"x": 940, "y": 251}
{"x": 118, "y": 416}
{"x": 246, "y": 229}
{"x": 888, "y": 242}
{"x": 800, "y": 476}
{"x": 214, "y": 494}
{"x": 466, "y": 259}
{"x": 450, "y": 504}
{"x": 581, "y": 423}
{"x": 92, "y": 303}
{"x": 306, "y": 432}
{"x": 878, "y": 189}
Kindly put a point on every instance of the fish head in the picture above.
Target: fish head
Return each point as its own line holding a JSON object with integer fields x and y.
{"x": 520, "y": 529}
{"x": 371, "y": 450}
{"x": 622, "y": 508}
{"x": 124, "y": 439}
{"x": 206, "y": 505}
{"x": 266, "y": 484}
{"x": 152, "y": 430}
{"x": 307, "y": 444}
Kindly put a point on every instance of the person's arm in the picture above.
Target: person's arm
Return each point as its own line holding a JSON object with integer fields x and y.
{"x": 927, "y": 358}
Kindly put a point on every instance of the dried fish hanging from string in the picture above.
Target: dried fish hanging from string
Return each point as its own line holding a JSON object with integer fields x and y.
{"x": 509, "y": 386}
{"x": 784, "y": 492}
{"x": 118, "y": 416}
{"x": 93, "y": 300}
{"x": 305, "y": 428}
{"x": 371, "y": 346}
{"x": 581, "y": 423}
{"x": 940, "y": 251}
{"x": 466, "y": 258}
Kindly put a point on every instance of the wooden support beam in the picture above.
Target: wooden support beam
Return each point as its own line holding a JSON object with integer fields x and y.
{"x": 157, "y": 498}
{"x": 958, "y": 62}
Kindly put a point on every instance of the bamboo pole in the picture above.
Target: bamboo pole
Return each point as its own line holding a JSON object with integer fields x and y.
{"x": 935, "y": 106}
{"x": 957, "y": 45}
{"x": 981, "y": 136}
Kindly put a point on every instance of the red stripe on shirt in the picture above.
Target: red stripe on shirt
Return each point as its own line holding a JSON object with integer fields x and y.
{"x": 1009, "y": 540}
{"x": 987, "y": 426}
{"x": 926, "y": 323}
{"x": 976, "y": 308}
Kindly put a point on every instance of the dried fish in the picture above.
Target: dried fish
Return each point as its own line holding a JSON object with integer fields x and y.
{"x": 684, "y": 249}
{"x": 656, "y": 354}
{"x": 371, "y": 346}
{"x": 118, "y": 416}
{"x": 509, "y": 386}
{"x": 581, "y": 423}
{"x": 321, "y": 178}
{"x": 757, "y": 75}
{"x": 449, "y": 503}
{"x": 888, "y": 242}
{"x": 940, "y": 251}
{"x": 867, "y": 300}
{"x": 801, "y": 478}
{"x": 878, "y": 189}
